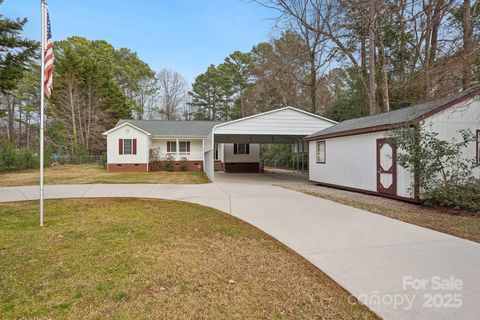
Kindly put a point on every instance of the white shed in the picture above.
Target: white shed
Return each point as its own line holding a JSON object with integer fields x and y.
{"x": 356, "y": 155}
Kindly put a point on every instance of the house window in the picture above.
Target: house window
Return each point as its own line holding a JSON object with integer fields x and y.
{"x": 321, "y": 152}
{"x": 183, "y": 147}
{"x": 127, "y": 146}
{"x": 241, "y": 148}
{"x": 171, "y": 146}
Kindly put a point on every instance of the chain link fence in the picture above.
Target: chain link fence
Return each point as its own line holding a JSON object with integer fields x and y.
{"x": 80, "y": 159}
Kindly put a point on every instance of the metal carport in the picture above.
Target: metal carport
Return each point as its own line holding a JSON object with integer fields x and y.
{"x": 287, "y": 125}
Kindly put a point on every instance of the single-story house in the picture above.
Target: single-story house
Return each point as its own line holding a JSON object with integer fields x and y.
{"x": 132, "y": 144}
{"x": 356, "y": 155}
{"x": 234, "y": 146}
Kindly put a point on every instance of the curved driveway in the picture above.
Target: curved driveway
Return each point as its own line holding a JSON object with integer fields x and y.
{"x": 371, "y": 256}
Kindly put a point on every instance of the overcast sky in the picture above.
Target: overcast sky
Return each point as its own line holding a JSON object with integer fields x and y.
{"x": 182, "y": 35}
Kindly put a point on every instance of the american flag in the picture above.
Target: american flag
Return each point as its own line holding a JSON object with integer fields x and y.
{"x": 48, "y": 67}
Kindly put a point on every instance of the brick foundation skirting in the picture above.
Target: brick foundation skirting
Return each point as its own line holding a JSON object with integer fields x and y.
{"x": 177, "y": 165}
{"x": 218, "y": 165}
{"x": 127, "y": 167}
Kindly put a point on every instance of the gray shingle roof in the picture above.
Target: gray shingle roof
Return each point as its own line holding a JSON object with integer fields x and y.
{"x": 395, "y": 117}
{"x": 173, "y": 128}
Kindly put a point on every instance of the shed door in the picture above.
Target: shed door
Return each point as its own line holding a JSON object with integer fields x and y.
{"x": 386, "y": 167}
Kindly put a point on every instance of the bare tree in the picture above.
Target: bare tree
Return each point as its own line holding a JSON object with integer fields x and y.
{"x": 467, "y": 43}
{"x": 337, "y": 22}
{"x": 173, "y": 89}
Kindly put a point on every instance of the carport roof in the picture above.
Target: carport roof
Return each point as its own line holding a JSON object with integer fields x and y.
{"x": 287, "y": 121}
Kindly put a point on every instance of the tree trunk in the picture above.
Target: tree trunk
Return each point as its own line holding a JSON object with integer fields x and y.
{"x": 27, "y": 131}
{"x": 89, "y": 118}
{"x": 364, "y": 72}
{"x": 435, "y": 26}
{"x": 81, "y": 127}
{"x": 74, "y": 122}
{"x": 11, "y": 119}
{"x": 384, "y": 72}
{"x": 20, "y": 126}
{"x": 313, "y": 83}
{"x": 402, "y": 42}
{"x": 427, "y": 52}
{"x": 371, "y": 44}
{"x": 467, "y": 43}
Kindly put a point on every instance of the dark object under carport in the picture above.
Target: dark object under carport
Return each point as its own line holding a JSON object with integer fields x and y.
{"x": 242, "y": 167}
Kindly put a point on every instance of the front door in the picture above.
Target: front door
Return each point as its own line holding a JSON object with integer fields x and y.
{"x": 386, "y": 167}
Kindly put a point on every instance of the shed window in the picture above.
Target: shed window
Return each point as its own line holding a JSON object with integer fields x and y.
{"x": 478, "y": 146}
{"x": 321, "y": 152}
{"x": 241, "y": 148}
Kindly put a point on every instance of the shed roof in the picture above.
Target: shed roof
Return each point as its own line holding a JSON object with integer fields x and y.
{"x": 383, "y": 121}
{"x": 173, "y": 128}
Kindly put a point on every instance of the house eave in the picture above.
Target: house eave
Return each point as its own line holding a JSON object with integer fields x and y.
{"x": 354, "y": 132}
{"x": 123, "y": 125}
{"x": 177, "y": 136}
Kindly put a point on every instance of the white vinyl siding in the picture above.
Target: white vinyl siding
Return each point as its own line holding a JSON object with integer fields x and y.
{"x": 230, "y": 156}
{"x": 352, "y": 162}
{"x": 448, "y": 123}
{"x": 127, "y": 133}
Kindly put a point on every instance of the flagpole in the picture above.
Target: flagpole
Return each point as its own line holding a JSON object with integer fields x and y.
{"x": 42, "y": 101}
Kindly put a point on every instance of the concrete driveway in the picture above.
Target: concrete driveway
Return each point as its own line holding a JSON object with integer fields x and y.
{"x": 399, "y": 270}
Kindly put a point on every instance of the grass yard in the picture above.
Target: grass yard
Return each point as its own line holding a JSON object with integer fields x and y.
{"x": 136, "y": 259}
{"x": 461, "y": 224}
{"x": 93, "y": 173}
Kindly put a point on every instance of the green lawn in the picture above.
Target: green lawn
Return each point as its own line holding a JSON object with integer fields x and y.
{"x": 136, "y": 259}
{"x": 93, "y": 173}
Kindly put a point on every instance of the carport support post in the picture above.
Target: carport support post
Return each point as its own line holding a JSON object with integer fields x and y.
{"x": 178, "y": 150}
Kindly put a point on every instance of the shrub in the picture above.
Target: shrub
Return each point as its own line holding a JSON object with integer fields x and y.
{"x": 103, "y": 161}
{"x": 168, "y": 166}
{"x": 434, "y": 161}
{"x": 183, "y": 164}
{"x": 11, "y": 159}
{"x": 155, "y": 154}
{"x": 7, "y": 156}
{"x": 445, "y": 177}
{"x": 26, "y": 160}
{"x": 463, "y": 196}
{"x": 47, "y": 156}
